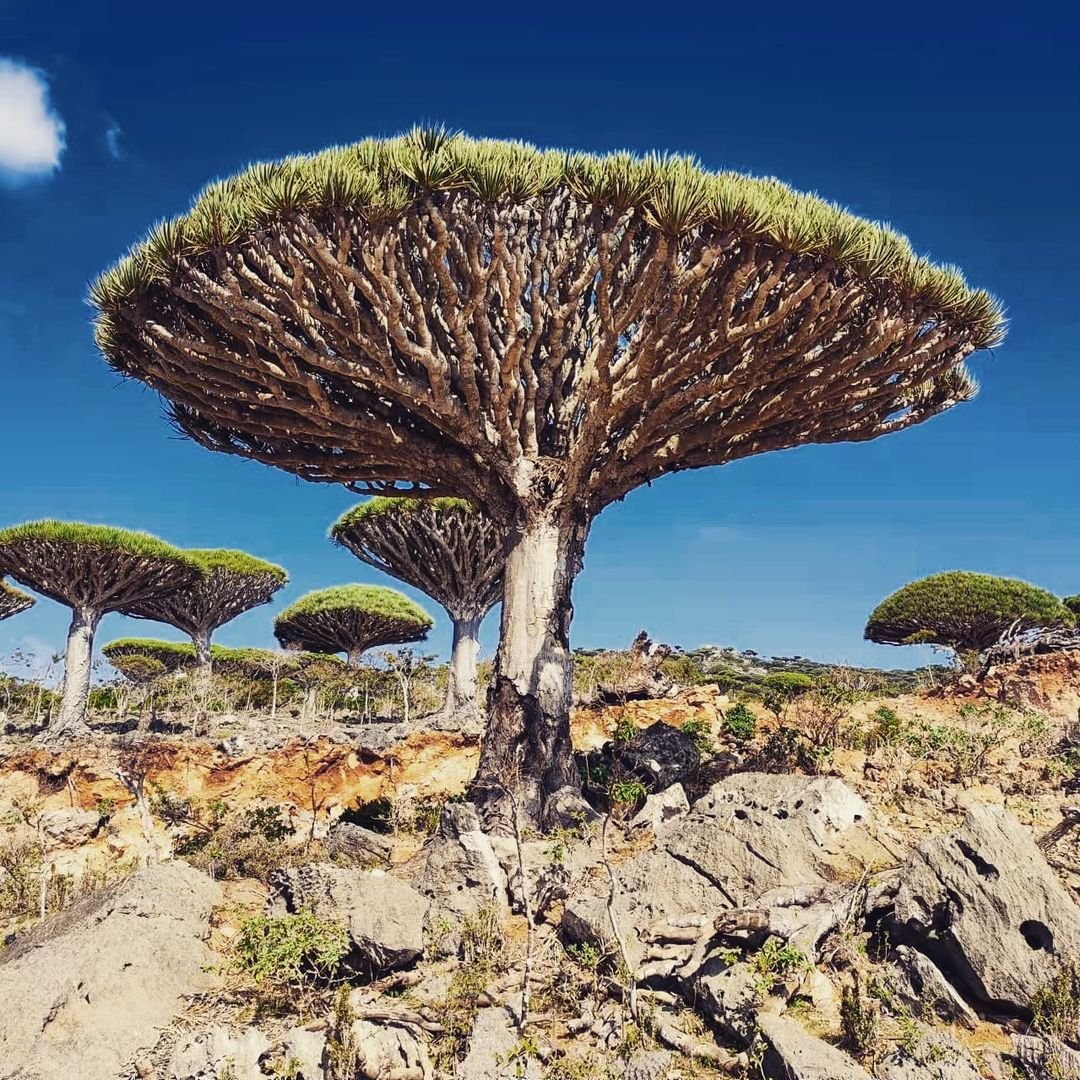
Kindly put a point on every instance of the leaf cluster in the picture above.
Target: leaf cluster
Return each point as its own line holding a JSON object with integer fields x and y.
{"x": 963, "y": 611}
{"x": 101, "y": 537}
{"x": 13, "y": 601}
{"x": 365, "y": 599}
{"x": 236, "y": 562}
{"x": 384, "y": 506}
{"x": 380, "y": 180}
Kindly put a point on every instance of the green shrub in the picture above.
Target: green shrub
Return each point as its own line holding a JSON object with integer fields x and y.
{"x": 789, "y": 683}
{"x": 287, "y": 952}
{"x": 699, "y": 731}
{"x": 964, "y": 612}
{"x": 740, "y": 723}
{"x": 1056, "y": 1005}
{"x": 626, "y": 794}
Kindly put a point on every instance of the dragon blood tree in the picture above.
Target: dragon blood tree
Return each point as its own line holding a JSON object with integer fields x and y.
{"x": 351, "y": 619}
{"x": 92, "y": 569}
{"x": 234, "y": 582}
{"x": 964, "y": 612}
{"x": 13, "y": 601}
{"x": 446, "y": 549}
{"x": 540, "y": 333}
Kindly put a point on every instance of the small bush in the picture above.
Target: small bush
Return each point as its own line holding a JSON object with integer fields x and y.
{"x": 699, "y": 731}
{"x": 249, "y": 843}
{"x": 740, "y": 723}
{"x": 288, "y": 952}
{"x": 1056, "y": 1006}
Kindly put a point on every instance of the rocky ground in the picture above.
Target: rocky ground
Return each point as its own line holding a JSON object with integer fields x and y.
{"x": 855, "y": 887}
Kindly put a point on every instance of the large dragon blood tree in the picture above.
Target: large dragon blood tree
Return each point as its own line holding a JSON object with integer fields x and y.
{"x": 538, "y": 332}
{"x": 234, "y": 582}
{"x": 13, "y": 601}
{"x": 92, "y": 569}
{"x": 446, "y": 549}
{"x": 351, "y": 619}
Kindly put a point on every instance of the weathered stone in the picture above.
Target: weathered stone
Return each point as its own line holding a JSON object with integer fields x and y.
{"x": 730, "y": 997}
{"x": 94, "y": 985}
{"x": 659, "y": 756}
{"x": 387, "y": 1051}
{"x": 756, "y": 831}
{"x": 919, "y": 982}
{"x": 648, "y": 1065}
{"x": 661, "y": 807}
{"x": 988, "y": 910}
{"x": 357, "y": 846}
{"x": 792, "y": 1053}
{"x": 935, "y": 1056}
{"x": 217, "y": 1052}
{"x": 304, "y": 1054}
{"x": 459, "y": 872}
{"x": 70, "y": 826}
{"x": 491, "y": 1046}
{"x": 384, "y": 917}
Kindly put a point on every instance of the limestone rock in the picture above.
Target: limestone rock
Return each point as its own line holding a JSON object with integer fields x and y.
{"x": 491, "y": 1045}
{"x": 357, "y": 846}
{"x": 305, "y": 1052}
{"x": 216, "y": 1052}
{"x": 659, "y": 756}
{"x": 648, "y": 1065}
{"x": 384, "y": 917}
{"x": 70, "y": 826}
{"x": 792, "y": 1053}
{"x": 661, "y": 807}
{"x": 729, "y": 996}
{"x": 936, "y": 1056}
{"x": 95, "y": 984}
{"x": 985, "y": 906}
{"x": 381, "y": 1052}
{"x": 459, "y": 872}
{"x": 924, "y": 988}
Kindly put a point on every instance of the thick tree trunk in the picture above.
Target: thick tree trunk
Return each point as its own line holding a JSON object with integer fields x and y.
{"x": 203, "y": 661}
{"x": 461, "y": 682}
{"x": 70, "y": 721}
{"x": 526, "y": 748}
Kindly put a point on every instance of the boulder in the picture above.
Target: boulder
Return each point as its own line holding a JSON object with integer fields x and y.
{"x": 923, "y": 988}
{"x": 459, "y": 872}
{"x": 648, "y": 1065}
{"x": 660, "y": 808}
{"x": 381, "y": 1052}
{"x": 935, "y": 1056}
{"x": 217, "y": 1052}
{"x": 356, "y": 846}
{"x": 729, "y": 996}
{"x": 95, "y": 984}
{"x": 659, "y": 756}
{"x": 70, "y": 826}
{"x": 383, "y": 917}
{"x": 988, "y": 910}
{"x": 304, "y": 1052}
{"x": 792, "y": 1053}
{"x": 754, "y": 832}
{"x": 491, "y": 1046}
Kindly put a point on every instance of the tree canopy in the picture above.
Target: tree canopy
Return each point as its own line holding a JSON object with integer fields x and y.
{"x": 963, "y": 611}
{"x": 13, "y": 601}
{"x": 443, "y": 547}
{"x": 1072, "y": 603}
{"x": 351, "y": 619}
{"x": 232, "y": 583}
{"x": 413, "y": 310}
{"x": 98, "y": 566}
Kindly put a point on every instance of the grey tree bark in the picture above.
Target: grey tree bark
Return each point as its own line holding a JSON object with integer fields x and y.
{"x": 71, "y": 719}
{"x": 527, "y": 741}
{"x": 464, "y": 653}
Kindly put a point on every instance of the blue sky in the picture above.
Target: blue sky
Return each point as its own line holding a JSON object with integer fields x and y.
{"x": 958, "y": 128}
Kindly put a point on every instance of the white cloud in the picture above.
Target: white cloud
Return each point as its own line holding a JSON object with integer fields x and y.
{"x": 31, "y": 131}
{"x": 112, "y": 140}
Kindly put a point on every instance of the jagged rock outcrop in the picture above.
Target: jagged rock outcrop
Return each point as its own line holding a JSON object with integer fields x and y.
{"x": 491, "y": 1050}
{"x": 459, "y": 872}
{"x": 984, "y": 905}
{"x": 792, "y": 1053}
{"x": 357, "y": 846}
{"x": 660, "y": 807}
{"x": 69, "y": 827}
{"x": 730, "y": 997}
{"x": 217, "y": 1051}
{"x": 383, "y": 916}
{"x": 935, "y": 1055}
{"x": 379, "y": 1052}
{"x": 94, "y": 986}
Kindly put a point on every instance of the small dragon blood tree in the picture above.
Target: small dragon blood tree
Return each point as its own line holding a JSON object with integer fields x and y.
{"x": 964, "y": 612}
{"x": 92, "y": 569}
{"x": 171, "y": 655}
{"x": 13, "y": 601}
{"x": 446, "y": 549}
{"x": 234, "y": 582}
{"x": 540, "y": 333}
{"x": 351, "y": 619}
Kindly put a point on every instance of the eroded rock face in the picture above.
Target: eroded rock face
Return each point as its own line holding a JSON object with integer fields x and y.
{"x": 384, "y": 917}
{"x": 491, "y": 1047}
{"x": 730, "y": 997}
{"x": 70, "y": 827}
{"x": 358, "y": 846}
{"x": 381, "y": 1051}
{"x": 94, "y": 986}
{"x": 985, "y": 906}
{"x": 792, "y": 1053}
{"x": 217, "y": 1051}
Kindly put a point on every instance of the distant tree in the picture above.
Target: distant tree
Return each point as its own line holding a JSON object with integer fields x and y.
{"x": 234, "y": 583}
{"x": 1072, "y": 603}
{"x": 13, "y": 601}
{"x": 407, "y": 665}
{"x": 351, "y": 619}
{"x": 171, "y": 655}
{"x": 540, "y": 332}
{"x": 446, "y": 549}
{"x": 964, "y": 612}
{"x": 92, "y": 569}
